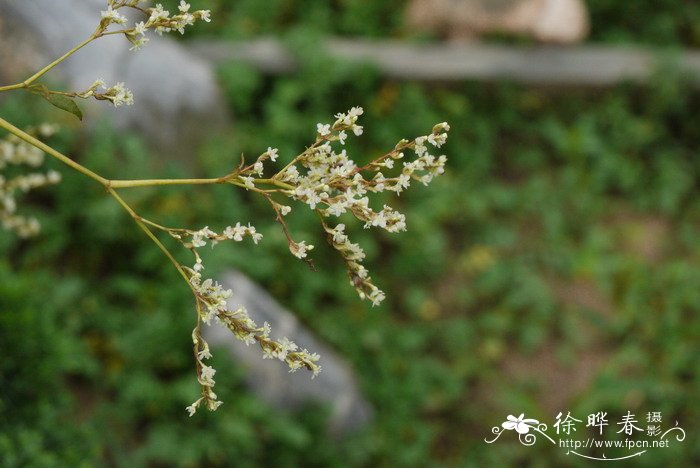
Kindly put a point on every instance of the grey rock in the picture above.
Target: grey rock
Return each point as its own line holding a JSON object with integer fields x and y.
{"x": 335, "y": 386}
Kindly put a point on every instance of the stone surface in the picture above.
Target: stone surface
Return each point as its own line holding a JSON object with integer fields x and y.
{"x": 175, "y": 92}
{"x": 551, "y": 21}
{"x": 335, "y": 386}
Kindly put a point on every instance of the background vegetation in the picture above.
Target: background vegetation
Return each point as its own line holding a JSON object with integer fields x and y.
{"x": 555, "y": 267}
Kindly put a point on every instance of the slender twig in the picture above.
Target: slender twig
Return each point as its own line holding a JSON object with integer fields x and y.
{"x": 52, "y": 152}
{"x": 159, "y": 182}
{"x": 48, "y": 67}
{"x": 139, "y": 220}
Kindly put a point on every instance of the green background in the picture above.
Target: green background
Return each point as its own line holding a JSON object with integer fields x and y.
{"x": 555, "y": 267}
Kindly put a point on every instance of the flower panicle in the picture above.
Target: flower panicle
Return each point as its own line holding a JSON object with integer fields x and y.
{"x": 328, "y": 181}
{"x": 158, "y": 19}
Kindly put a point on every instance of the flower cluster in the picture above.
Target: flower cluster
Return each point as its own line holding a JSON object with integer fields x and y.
{"x": 332, "y": 184}
{"x": 117, "y": 94}
{"x": 212, "y": 304}
{"x": 323, "y": 177}
{"x": 15, "y": 152}
{"x": 159, "y": 20}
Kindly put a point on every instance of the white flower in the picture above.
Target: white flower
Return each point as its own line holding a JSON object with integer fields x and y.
{"x": 336, "y": 209}
{"x": 184, "y": 6}
{"x": 420, "y": 148}
{"x": 376, "y": 296}
{"x": 254, "y": 234}
{"x": 299, "y": 250}
{"x": 113, "y": 16}
{"x": 236, "y": 233}
{"x": 193, "y": 407}
{"x": 140, "y": 28}
{"x": 342, "y": 136}
{"x": 291, "y": 174}
{"x": 248, "y": 182}
{"x": 119, "y": 95}
{"x": 322, "y": 129}
{"x": 198, "y": 241}
{"x": 98, "y": 83}
{"x": 437, "y": 140}
{"x": 207, "y": 374}
{"x": 204, "y": 15}
{"x": 213, "y": 405}
{"x": 356, "y": 111}
{"x": 272, "y": 153}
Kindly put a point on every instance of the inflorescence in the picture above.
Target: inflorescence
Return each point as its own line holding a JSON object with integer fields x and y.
{"x": 323, "y": 177}
{"x": 331, "y": 184}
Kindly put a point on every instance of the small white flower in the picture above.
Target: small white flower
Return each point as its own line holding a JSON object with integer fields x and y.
{"x": 193, "y": 407}
{"x": 356, "y": 111}
{"x": 300, "y": 250}
{"x": 437, "y": 140}
{"x": 272, "y": 153}
{"x": 113, "y": 16}
{"x": 248, "y": 182}
{"x": 342, "y": 136}
{"x": 140, "y": 28}
{"x": 184, "y": 6}
{"x": 204, "y": 15}
{"x": 322, "y": 129}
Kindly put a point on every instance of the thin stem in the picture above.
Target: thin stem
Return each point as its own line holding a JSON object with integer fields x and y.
{"x": 159, "y": 182}
{"x": 52, "y": 152}
{"x": 11, "y": 87}
{"x": 161, "y": 227}
{"x": 274, "y": 182}
{"x": 149, "y": 233}
{"x": 218, "y": 180}
{"x": 48, "y": 67}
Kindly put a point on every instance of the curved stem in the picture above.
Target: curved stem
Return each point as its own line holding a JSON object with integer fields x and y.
{"x": 149, "y": 233}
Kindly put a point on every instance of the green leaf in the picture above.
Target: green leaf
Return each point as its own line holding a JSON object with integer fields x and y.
{"x": 64, "y": 103}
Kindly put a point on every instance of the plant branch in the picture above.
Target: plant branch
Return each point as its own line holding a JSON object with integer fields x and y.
{"x": 150, "y": 234}
{"x": 52, "y": 152}
{"x": 48, "y": 67}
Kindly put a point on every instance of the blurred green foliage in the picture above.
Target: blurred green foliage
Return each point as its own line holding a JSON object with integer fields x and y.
{"x": 555, "y": 267}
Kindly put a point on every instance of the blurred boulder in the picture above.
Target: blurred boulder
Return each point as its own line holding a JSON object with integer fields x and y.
{"x": 176, "y": 94}
{"x": 335, "y": 386}
{"x": 551, "y": 21}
